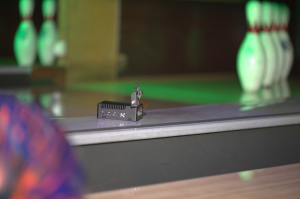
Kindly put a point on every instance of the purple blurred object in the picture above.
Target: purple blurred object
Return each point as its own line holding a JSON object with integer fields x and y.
{"x": 36, "y": 161}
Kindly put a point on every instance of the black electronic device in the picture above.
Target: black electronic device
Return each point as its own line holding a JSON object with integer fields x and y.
{"x": 132, "y": 111}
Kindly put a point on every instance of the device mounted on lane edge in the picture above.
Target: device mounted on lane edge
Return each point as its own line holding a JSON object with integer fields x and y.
{"x": 123, "y": 111}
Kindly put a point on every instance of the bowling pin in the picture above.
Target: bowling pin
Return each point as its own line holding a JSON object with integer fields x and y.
{"x": 277, "y": 42}
{"x": 268, "y": 45}
{"x": 48, "y": 34}
{"x": 288, "y": 52}
{"x": 250, "y": 58}
{"x": 25, "y": 38}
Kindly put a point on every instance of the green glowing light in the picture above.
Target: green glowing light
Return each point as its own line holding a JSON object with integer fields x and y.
{"x": 49, "y": 8}
{"x": 26, "y": 7}
{"x": 192, "y": 92}
{"x": 246, "y": 175}
{"x": 45, "y": 100}
{"x": 25, "y": 98}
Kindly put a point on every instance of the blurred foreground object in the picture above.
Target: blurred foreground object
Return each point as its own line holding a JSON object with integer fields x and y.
{"x": 35, "y": 159}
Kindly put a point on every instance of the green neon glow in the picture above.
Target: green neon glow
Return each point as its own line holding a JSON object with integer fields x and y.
{"x": 26, "y": 8}
{"x": 45, "y": 100}
{"x": 246, "y": 175}
{"x": 48, "y": 7}
{"x": 191, "y": 92}
{"x": 25, "y": 98}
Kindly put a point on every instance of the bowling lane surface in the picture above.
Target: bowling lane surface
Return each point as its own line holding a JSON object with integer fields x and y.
{"x": 120, "y": 165}
{"x": 274, "y": 182}
{"x": 182, "y": 121}
{"x": 165, "y": 91}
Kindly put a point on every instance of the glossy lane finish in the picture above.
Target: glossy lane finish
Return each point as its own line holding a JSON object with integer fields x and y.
{"x": 74, "y": 102}
{"x": 188, "y": 114}
{"x": 275, "y": 182}
{"x": 182, "y": 121}
{"x": 160, "y": 93}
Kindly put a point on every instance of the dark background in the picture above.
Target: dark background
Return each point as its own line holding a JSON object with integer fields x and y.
{"x": 9, "y": 22}
{"x": 161, "y": 36}
{"x": 168, "y": 36}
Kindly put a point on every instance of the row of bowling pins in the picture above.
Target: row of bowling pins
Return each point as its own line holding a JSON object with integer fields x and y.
{"x": 26, "y": 43}
{"x": 266, "y": 53}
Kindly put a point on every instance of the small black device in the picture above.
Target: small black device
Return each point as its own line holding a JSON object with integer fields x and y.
{"x": 123, "y": 111}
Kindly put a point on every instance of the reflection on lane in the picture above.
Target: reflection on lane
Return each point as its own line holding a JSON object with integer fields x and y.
{"x": 51, "y": 101}
{"x": 248, "y": 175}
{"x": 265, "y": 97}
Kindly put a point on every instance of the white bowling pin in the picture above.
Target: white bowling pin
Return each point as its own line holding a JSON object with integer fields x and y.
{"x": 25, "y": 38}
{"x": 277, "y": 42}
{"x": 288, "y": 52}
{"x": 48, "y": 34}
{"x": 268, "y": 44}
{"x": 250, "y": 58}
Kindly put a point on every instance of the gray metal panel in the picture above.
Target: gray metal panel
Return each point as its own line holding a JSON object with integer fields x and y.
{"x": 182, "y": 121}
{"x": 189, "y": 114}
{"x": 144, "y": 162}
{"x": 121, "y": 135}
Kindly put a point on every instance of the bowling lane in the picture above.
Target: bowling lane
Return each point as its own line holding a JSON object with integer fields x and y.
{"x": 192, "y": 89}
{"x": 274, "y": 182}
{"x": 74, "y": 102}
{"x": 121, "y": 165}
{"x": 168, "y": 91}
